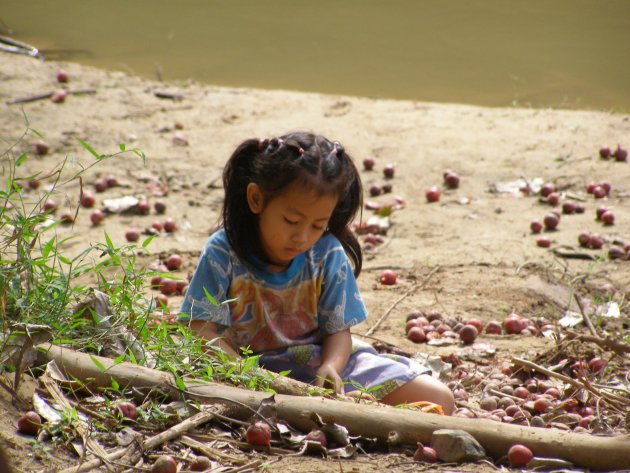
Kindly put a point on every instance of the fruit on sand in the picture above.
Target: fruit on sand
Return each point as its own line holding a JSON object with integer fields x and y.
{"x": 160, "y": 207}
{"x": 87, "y": 199}
{"x": 97, "y": 217}
{"x": 29, "y": 423}
{"x": 468, "y": 334}
{"x": 168, "y": 286}
{"x": 368, "y": 163}
{"x": 620, "y": 154}
{"x": 258, "y": 433}
{"x": 425, "y": 454}
{"x": 41, "y": 148}
{"x": 608, "y": 218}
{"x": 173, "y": 262}
{"x": 519, "y": 455}
{"x": 200, "y": 463}
{"x": 132, "y": 235}
{"x": 551, "y": 221}
{"x": 164, "y": 464}
{"x": 433, "y": 194}
{"x": 493, "y": 328}
{"x": 417, "y": 335}
{"x": 169, "y": 225}
{"x": 536, "y": 226}
{"x": 62, "y": 76}
{"x": 388, "y": 171}
{"x": 126, "y": 410}
{"x": 317, "y": 435}
{"x": 543, "y": 242}
{"x": 388, "y": 277}
{"x": 451, "y": 179}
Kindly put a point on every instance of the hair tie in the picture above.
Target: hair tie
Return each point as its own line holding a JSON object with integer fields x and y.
{"x": 336, "y": 151}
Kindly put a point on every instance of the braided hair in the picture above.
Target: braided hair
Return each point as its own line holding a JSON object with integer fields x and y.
{"x": 304, "y": 158}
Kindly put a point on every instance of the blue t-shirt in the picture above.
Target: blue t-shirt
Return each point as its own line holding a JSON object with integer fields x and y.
{"x": 315, "y": 296}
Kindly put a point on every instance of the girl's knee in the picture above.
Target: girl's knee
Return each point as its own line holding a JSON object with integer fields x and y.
{"x": 423, "y": 388}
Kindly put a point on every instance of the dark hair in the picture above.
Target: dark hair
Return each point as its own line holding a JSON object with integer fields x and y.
{"x": 308, "y": 159}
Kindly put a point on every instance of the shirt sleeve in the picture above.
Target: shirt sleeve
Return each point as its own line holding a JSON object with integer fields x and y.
{"x": 212, "y": 275}
{"x": 340, "y": 305}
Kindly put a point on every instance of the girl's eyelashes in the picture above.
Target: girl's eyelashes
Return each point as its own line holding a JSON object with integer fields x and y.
{"x": 290, "y": 222}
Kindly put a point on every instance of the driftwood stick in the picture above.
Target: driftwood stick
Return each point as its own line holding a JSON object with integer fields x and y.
{"x": 397, "y": 301}
{"x": 211, "y": 452}
{"x": 609, "y": 343}
{"x": 585, "y": 317}
{"x": 587, "y": 451}
{"x": 47, "y": 95}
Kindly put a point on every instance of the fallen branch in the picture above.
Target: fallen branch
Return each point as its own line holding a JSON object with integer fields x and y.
{"x": 397, "y": 301}
{"x": 608, "y": 343}
{"x": 583, "y": 450}
{"x": 47, "y": 95}
{"x": 585, "y": 317}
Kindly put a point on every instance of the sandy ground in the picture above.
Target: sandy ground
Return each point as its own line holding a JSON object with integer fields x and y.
{"x": 469, "y": 255}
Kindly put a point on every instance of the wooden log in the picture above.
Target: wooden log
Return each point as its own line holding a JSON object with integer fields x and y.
{"x": 583, "y": 450}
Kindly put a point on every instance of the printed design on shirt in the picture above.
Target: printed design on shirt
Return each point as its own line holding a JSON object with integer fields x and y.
{"x": 266, "y": 318}
{"x": 301, "y": 354}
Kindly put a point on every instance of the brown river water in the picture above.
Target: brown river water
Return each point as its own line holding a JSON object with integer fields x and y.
{"x": 554, "y": 53}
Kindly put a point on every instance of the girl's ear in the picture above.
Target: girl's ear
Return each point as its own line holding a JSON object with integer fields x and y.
{"x": 255, "y": 198}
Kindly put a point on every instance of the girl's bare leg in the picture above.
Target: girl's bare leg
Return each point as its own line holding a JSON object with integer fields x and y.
{"x": 423, "y": 388}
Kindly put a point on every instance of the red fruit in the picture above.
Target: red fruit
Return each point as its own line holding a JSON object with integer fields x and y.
{"x": 520, "y": 392}
{"x": 173, "y": 262}
{"x": 29, "y": 423}
{"x": 368, "y": 163}
{"x": 543, "y": 242}
{"x": 433, "y": 194}
{"x": 161, "y": 301}
{"x": 111, "y": 181}
{"x": 608, "y": 218}
{"x": 547, "y": 189}
{"x": 164, "y": 464}
{"x": 316, "y": 435}
{"x": 493, "y": 328}
{"x": 97, "y": 217}
{"x": 59, "y": 96}
{"x": 157, "y": 226}
{"x": 600, "y": 211}
{"x": 599, "y": 192}
{"x": 542, "y": 405}
{"x": 169, "y": 225}
{"x": 468, "y": 334}
{"x": 433, "y": 315}
{"x": 156, "y": 281}
{"x": 101, "y": 185}
{"x": 590, "y": 187}
{"x": 168, "y": 286}
{"x": 451, "y": 179}
{"x": 87, "y": 199}
{"x": 50, "y": 205}
{"x": 375, "y": 190}
{"x": 62, "y": 76}
{"x": 519, "y": 455}
{"x": 604, "y": 152}
{"x": 595, "y": 242}
{"x": 476, "y": 323}
{"x": 66, "y": 217}
{"x": 568, "y": 207}
{"x": 160, "y": 207}
{"x": 387, "y": 188}
{"x": 143, "y": 207}
{"x": 606, "y": 186}
{"x": 596, "y": 364}
{"x": 41, "y": 148}
{"x": 388, "y": 171}
{"x": 258, "y": 433}
{"x": 417, "y": 335}
{"x": 388, "y": 277}
{"x": 513, "y": 324}
{"x": 535, "y": 226}
{"x": 553, "y": 392}
{"x": 200, "y": 464}
{"x": 614, "y": 252}
{"x": 620, "y": 154}
{"x": 425, "y": 454}
{"x": 553, "y": 199}
{"x": 132, "y": 235}
{"x": 579, "y": 209}
{"x": 126, "y": 410}
{"x": 551, "y": 221}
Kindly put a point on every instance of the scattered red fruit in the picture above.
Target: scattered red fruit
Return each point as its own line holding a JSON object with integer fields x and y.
{"x": 595, "y": 242}
{"x": 168, "y": 286}
{"x": 451, "y": 179}
{"x": 126, "y": 410}
{"x": 425, "y": 454}
{"x": 620, "y": 154}
{"x": 157, "y": 226}
{"x": 132, "y": 235}
{"x": 87, "y": 199}
{"x": 29, "y": 423}
{"x": 143, "y": 207}
{"x": 513, "y": 324}
{"x": 375, "y": 190}
{"x": 553, "y": 199}
{"x": 547, "y": 189}
{"x": 368, "y": 163}
{"x": 169, "y": 225}
{"x": 41, "y": 148}
{"x": 543, "y": 242}
{"x": 551, "y": 221}
{"x": 468, "y": 334}
{"x": 50, "y": 205}
{"x": 388, "y": 277}
{"x": 66, "y": 217}
{"x": 614, "y": 252}
{"x": 112, "y": 181}
{"x": 600, "y": 211}
{"x": 568, "y": 207}
{"x": 62, "y": 76}
{"x": 433, "y": 194}
{"x": 387, "y": 188}
{"x": 388, "y": 171}
{"x": 200, "y": 464}
{"x": 519, "y": 455}
{"x": 160, "y": 207}
{"x": 608, "y": 218}
{"x": 101, "y": 185}
{"x": 493, "y": 328}
{"x": 583, "y": 239}
{"x": 164, "y": 464}
{"x": 258, "y": 433}
{"x": 604, "y": 152}
{"x": 173, "y": 262}
{"x": 599, "y": 192}
{"x": 417, "y": 334}
{"x": 97, "y": 217}
{"x": 59, "y": 96}
{"x": 317, "y": 435}
{"x": 535, "y": 226}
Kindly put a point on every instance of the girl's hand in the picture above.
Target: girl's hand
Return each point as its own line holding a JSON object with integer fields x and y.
{"x": 328, "y": 377}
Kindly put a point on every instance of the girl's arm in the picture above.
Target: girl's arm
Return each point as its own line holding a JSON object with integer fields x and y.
{"x": 209, "y": 331}
{"x": 336, "y": 350}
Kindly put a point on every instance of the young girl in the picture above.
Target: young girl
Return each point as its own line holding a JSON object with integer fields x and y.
{"x": 283, "y": 261}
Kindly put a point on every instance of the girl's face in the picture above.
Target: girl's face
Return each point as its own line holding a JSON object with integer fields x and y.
{"x": 291, "y": 222}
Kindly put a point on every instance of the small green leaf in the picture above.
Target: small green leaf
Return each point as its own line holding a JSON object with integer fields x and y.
{"x": 21, "y": 159}
{"x": 89, "y": 148}
{"x": 115, "y": 385}
{"x": 122, "y": 146}
{"x": 209, "y": 297}
{"x": 147, "y": 240}
{"x": 180, "y": 383}
{"x": 98, "y": 364}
